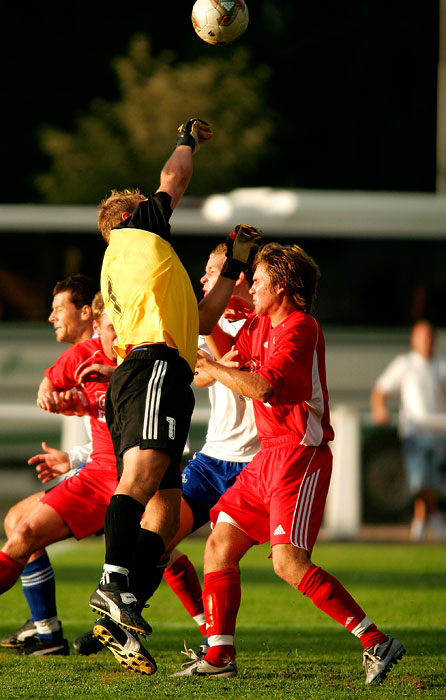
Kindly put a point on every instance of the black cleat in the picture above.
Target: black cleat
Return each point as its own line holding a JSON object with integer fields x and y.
{"x": 87, "y": 644}
{"x": 36, "y": 646}
{"x": 120, "y": 606}
{"x": 18, "y": 638}
{"x": 125, "y": 647}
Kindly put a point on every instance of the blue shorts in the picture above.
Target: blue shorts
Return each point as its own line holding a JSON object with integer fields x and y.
{"x": 205, "y": 479}
{"x": 424, "y": 462}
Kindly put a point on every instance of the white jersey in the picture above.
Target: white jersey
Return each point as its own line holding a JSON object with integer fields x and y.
{"x": 421, "y": 385}
{"x": 232, "y": 432}
{"x": 80, "y": 453}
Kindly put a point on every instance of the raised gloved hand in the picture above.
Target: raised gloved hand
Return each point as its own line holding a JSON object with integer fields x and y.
{"x": 241, "y": 246}
{"x": 193, "y": 133}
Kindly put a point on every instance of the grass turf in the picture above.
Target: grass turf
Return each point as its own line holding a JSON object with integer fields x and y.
{"x": 286, "y": 648}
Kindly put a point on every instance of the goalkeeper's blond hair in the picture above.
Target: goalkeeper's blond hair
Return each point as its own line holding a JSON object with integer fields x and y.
{"x": 113, "y": 207}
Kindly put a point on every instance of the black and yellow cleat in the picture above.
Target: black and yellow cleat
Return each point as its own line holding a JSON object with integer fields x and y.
{"x": 125, "y": 647}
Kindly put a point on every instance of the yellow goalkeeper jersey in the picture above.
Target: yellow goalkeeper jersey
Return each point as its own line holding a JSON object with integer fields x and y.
{"x": 147, "y": 292}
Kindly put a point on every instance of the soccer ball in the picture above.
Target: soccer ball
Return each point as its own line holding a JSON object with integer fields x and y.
{"x": 220, "y": 21}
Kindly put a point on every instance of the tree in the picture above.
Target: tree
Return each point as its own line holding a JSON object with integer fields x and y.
{"x": 125, "y": 143}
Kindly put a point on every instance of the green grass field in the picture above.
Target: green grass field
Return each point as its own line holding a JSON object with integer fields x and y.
{"x": 286, "y": 648}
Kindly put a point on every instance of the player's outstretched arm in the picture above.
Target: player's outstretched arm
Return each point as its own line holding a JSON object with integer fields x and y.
{"x": 241, "y": 245}
{"x": 177, "y": 171}
{"x": 212, "y": 306}
{"x": 51, "y": 463}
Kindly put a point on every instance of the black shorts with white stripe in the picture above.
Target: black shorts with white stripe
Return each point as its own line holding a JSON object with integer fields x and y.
{"x": 149, "y": 403}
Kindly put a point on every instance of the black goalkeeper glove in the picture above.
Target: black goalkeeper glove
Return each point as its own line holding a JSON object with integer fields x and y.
{"x": 241, "y": 246}
{"x": 192, "y": 133}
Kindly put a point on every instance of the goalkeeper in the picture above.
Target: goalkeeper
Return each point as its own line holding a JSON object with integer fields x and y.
{"x": 151, "y": 303}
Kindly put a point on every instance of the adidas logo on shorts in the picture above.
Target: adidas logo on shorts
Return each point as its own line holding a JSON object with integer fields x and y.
{"x": 172, "y": 423}
{"x": 279, "y": 530}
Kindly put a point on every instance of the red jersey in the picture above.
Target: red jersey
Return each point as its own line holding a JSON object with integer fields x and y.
{"x": 291, "y": 357}
{"x": 64, "y": 374}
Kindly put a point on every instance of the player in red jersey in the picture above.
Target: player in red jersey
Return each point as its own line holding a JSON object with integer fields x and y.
{"x": 72, "y": 318}
{"x": 75, "y": 507}
{"x": 280, "y": 496}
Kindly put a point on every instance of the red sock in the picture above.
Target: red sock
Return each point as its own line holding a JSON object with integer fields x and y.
{"x": 330, "y": 596}
{"x": 10, "y": 570}
{"x": 221, "y": 599}
{"x": 183, "y": 580}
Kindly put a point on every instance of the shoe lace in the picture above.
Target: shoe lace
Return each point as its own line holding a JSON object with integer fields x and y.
{"x": 133, "y": 612}
{"x": 371, "y": 657}
{"x": 193, "y": 656}
{"x": 139, "y": 607}
{"x": 367, "y": 661}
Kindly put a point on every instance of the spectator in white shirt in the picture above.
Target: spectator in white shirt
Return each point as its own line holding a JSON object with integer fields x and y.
{"x": 419, "y": 379}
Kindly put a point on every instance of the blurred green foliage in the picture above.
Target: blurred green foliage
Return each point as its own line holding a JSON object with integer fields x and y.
{"x": 125, "y": 143}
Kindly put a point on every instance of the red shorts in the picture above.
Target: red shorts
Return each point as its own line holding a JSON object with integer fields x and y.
{"x": 82, "y": 500}
{"x": 280, "y": 496}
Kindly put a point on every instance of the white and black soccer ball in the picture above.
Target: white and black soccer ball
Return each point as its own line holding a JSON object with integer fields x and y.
{"x": 220, "y": 21}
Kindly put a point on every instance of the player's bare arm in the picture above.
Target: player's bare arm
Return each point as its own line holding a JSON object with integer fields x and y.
{"x": 176, "y": 174}
{"x": 211, "y": 307}
{"x": 96, "y": 373}
{"x": 73, "y": 403}
{"x": 50, "y": 463}
{"x": 250, "y": 384}
{"x": 201, "y": 378}
{"x": 177, "y": 171}
{"x": 241, "y": 245}
{"x": 67, "y": 402}
{"x": 46, "y": 387}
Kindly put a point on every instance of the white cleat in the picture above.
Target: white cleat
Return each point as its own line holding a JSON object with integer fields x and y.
{"x": 205, "y": 669}
{"x": 378, "y": 660}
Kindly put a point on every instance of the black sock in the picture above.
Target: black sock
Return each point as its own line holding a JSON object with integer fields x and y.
{"x": 147, "y": 570}
{"x": 122, "y": 526}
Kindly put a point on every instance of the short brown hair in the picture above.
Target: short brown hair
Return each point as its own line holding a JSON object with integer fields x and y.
{"x": 97, "y": 306}
{"x": 291, "y": 267}
{"x": 221, "y": 249}
{"x": 81, "y": 288}
{"x": 113, "y": 207}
